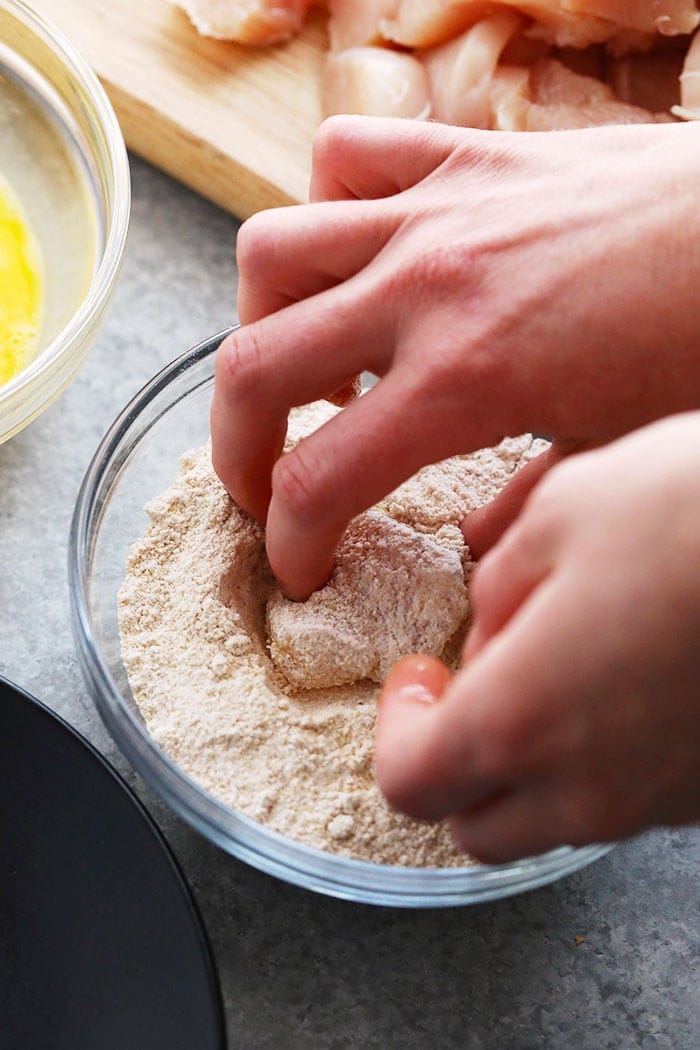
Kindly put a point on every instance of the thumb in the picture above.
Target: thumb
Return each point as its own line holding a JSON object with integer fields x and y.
{"x": 412, "y": 688}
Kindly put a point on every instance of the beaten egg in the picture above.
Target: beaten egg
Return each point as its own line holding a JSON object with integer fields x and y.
{"x": 21, "y": 286}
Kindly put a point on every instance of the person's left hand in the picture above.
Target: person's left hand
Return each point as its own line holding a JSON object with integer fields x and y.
{"x": 576, "y": 717}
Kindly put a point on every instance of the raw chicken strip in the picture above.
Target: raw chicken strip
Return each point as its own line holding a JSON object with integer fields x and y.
{"x": 578, "y": 23}
{"x": 588, "y": 61}
{"x": 510, "y": 98}
{"x": 255, "y": 22}
{"x": 549, "y": 97}
{"x": 689, "y": 108}
{"x": 522, "y": 50}
{"x": 668, "y": 17}
{"x": 357, "y": 23}
{"x": 564, "y": 99}
{"x": 427, "y": 23}
{"x": 375, "y": 82}
{"x": 595, "y": 114}
{"x": 630, "y": 42}
{"x": 459, "y": 72}
{"x": 560, "y": 28}
{"x": 650, "y": 80}
{"x": 552, "y": 84}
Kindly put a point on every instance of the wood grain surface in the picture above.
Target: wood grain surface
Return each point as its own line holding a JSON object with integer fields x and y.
{"x": 235, "y": 124}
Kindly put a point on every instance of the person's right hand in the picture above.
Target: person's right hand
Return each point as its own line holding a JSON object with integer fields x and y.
{"x": 496, "y": 283}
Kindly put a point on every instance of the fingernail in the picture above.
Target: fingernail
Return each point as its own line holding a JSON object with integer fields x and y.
{"x": 417, "y": 692}
{"x": 421, "y": 679}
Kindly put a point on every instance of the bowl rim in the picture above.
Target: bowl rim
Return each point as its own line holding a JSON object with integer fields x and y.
{"x": 49, "y": 362}
{"x": 238, "y": 834}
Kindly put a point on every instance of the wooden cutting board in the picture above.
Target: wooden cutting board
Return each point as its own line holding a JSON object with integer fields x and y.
{"x": 233, "y": 123}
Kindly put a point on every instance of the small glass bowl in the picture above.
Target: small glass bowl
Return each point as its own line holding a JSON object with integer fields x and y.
{"x": 62, "y": 151}
{"x": 138, "y": 459}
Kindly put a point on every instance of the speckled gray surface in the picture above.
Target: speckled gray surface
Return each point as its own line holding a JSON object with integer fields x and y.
{"x": 298, "y": 970}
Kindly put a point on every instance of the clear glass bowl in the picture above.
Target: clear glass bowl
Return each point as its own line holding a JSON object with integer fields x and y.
{"x": 138, "y": 459}
{"x": 62, "y": 151}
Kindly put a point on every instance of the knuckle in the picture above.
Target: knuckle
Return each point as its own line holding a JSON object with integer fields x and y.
{"x": 256, "y": 242}
{"x": 489, "y": 155}
{"x": 299, "y": 482}
{"x": 239, "y": 364}
{"x": 436, "y": 265}
{"x": 330, "y": 140}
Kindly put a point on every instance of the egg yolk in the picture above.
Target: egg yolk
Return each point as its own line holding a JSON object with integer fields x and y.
{"x": 21, "y": 287}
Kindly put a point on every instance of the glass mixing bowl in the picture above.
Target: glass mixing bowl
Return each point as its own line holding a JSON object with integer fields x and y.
{"x": 62, "y": 152}
{"x": 138, "y": 459}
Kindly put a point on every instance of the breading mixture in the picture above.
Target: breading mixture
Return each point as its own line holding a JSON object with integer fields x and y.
{"x": 270, "y": 706}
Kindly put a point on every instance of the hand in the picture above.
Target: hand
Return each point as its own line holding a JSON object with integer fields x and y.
{"x": 576, "y": 717}
{"x": 496, "y": 283}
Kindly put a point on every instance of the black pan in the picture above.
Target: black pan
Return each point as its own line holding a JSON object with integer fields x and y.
{"x": 101, "y": 945}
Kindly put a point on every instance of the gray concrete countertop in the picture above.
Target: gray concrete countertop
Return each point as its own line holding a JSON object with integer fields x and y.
{"x": 604, "y": 959}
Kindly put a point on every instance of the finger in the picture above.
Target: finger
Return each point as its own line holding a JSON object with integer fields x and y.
{"x": 414, "y": 684}
{"x": 262, "y": 370}
{"x": 483, "y": 527}
{"x": 502, "y": 721}
{"x": 324, "y": 482}
{"x": 506, "y": 576}
{"x": 415, "y": 677}
{"x": 518, "y": 823}
{"x": 372, "y": 157}
{"x": 288, "y": 254}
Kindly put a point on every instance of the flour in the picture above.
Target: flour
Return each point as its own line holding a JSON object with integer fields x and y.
{"x": 198, "y": 606}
